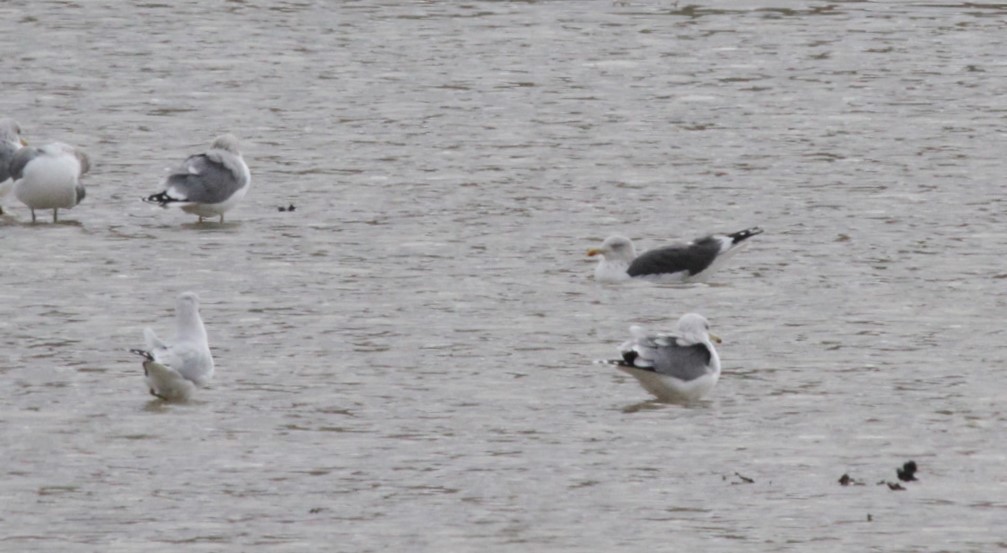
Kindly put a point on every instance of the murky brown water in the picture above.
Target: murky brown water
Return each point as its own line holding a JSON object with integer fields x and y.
{"x": 405, "y": 363}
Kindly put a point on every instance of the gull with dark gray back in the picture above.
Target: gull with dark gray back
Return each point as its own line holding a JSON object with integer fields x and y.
{"x": 689, "y": 262}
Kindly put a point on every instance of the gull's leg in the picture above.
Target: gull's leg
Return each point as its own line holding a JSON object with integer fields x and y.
{"x": 221, "y": 218}
{"x": 54, "y": 211}
{"x": 32, "y": 215}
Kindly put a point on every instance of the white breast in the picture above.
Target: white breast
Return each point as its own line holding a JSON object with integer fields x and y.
{"x": 611, "y": 271}
{"x": 49, "y": 182}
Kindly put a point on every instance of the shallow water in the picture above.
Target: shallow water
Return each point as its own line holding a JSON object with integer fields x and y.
{"x": 406, "y": 362}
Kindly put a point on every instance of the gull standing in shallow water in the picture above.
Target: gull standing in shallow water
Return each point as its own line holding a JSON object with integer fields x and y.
{"x": 691, "y": 262}
{"x": 10, "y": 143}
{"x": 208, "y": 184}
{"x": 49, "y": 177}
{"x": 174, "y": 370}
{"x": 679, "y": 367}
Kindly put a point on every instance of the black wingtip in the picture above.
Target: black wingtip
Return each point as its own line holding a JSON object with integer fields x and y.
{"x": 145, "y": 354}
{"x": 742, "y": 235}
{"x": 162, "y": 199}
{"x": 622, "y": 364}
{"x": 614, "y": 362}
{"x": 626, "y": 361}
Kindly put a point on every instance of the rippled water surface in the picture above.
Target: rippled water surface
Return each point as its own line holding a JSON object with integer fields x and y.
{"x": 406, "y": 362}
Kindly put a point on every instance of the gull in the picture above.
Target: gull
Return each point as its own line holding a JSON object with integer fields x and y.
{"x": 208, "y": 184}
{"x": 174, "y": 369}
{"x": 690, "y": 262}
{"x": 678, "y": 367}
{"x": 48, "y": 177}
{"x": 10, "y": 143}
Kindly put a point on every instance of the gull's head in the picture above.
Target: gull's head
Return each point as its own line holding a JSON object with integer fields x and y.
{"x": 63, "y": 149}
{"x": 227, "y": 142}
{"x": 188, "y": 301}
{"x": 694, "y": 328}
{"x": 615, "y": 248}
{"x": 10, "y": 132}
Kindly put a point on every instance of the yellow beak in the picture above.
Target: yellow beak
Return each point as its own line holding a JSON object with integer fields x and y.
{"x": 23, "y": 141}
{"x": 594, "y": 251}
{"x": 715, "y": 338}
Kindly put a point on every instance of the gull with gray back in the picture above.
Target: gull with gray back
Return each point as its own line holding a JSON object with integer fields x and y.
{"x": 10, "y": 143}
{"x": 48, "y": 177}
{"x": 208, "y": 184}
{"x": 676, "y": 367}
{"x": 174, "y": 369}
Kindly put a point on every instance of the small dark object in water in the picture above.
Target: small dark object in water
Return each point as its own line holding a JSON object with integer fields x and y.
{"x": 895, "y": 487}
{"x": 745, "y": 479}
{"x": 908, "y": 471}
{"x": 846, "y": 480}
{"x": 869, "y": 518}
{"x": 291, "y": 207}
{"x": 288, "y": 208}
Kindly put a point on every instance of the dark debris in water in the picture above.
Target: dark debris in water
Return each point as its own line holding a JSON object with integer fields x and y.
{"x": 288, "y": 208}
{"x": 744, "y": 479}
{"x": 847, "y": 480}
{"x": 908, "y": 471}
